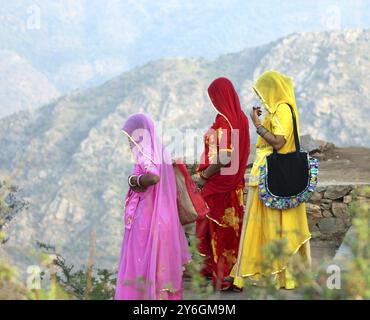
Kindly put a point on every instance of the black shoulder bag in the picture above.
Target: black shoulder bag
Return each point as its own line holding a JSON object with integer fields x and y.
{"x": 287, "y": 180}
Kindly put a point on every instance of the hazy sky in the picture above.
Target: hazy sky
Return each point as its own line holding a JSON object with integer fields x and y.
{"x": 95, "y": 37}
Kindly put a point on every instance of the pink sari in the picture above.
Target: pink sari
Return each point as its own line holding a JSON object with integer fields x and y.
{"x": 154, "y": 248}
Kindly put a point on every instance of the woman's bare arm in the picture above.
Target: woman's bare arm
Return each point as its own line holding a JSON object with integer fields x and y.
{"x": 146, "y": 180}
{"x": 224, "y": 159}
{"x": 277, "y": 142}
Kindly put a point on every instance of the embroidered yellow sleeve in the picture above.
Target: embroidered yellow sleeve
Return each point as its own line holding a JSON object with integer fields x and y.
{"x": 224, "y": 140}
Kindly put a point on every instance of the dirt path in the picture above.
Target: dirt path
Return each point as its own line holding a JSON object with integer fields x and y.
{"x": 345, "y": 166}
{"x": 321, "y": 257}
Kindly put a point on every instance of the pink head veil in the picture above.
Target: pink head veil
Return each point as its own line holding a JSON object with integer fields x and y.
{"x": 140, "y": 130}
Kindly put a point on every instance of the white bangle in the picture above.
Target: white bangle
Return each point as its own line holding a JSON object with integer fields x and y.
{"x": 138, "y": 181}
{"x": 129, "y": 181}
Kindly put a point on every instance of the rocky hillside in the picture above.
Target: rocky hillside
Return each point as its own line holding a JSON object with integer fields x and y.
{"x": 70, "y": 159}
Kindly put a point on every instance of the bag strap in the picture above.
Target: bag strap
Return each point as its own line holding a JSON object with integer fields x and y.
{"x": 295, "y": 131}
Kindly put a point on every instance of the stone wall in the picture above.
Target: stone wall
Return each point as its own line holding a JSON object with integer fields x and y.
{"x": 328, "y": 211}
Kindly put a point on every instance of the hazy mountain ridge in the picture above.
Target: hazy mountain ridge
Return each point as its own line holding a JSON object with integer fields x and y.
{"x": 333, "y": 75}
{"x": 21, "y": 85}
{"x": 70, "y": 158}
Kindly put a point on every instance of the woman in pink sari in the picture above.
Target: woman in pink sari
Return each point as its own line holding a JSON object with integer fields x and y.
{"x": 154, "y": 248}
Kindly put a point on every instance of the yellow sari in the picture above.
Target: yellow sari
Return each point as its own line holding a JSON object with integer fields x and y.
{"x": 264, "y": 226}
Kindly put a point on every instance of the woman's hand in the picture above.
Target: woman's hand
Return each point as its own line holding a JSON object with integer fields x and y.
{"x": 138, "y": 189}
{"x": 198, "y": 180}
{"x": 255, "y": 114}
{"x": 201, "y": 182}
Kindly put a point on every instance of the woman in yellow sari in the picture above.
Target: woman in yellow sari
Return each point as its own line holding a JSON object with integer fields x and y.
{"x": 263, "y": 226}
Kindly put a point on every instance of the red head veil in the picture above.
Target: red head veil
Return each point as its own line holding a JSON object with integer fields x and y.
{"x": 226, "y": 102}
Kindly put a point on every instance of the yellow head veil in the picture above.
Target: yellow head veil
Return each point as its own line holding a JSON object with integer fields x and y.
{"x": 275, "y": 88}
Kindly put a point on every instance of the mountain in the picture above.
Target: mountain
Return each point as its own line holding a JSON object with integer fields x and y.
{"x": 21, "y": 85}
{"x": 71, "y": 160}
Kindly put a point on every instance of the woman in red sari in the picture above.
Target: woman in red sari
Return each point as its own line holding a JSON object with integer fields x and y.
{"x": 221, "y": 176}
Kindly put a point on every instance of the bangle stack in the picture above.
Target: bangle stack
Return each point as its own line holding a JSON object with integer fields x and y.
{"x": 261, "y": 130}
{"x": 138, "y": 184}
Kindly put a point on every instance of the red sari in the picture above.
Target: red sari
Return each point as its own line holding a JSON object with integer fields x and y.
{"x": 218, "y": 236}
